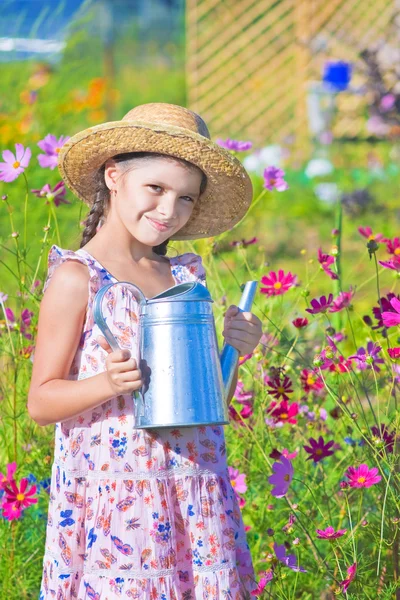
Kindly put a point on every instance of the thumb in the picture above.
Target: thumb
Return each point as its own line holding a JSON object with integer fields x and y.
{"x": 101, "y": 340}
{"x": 232, "y": 311}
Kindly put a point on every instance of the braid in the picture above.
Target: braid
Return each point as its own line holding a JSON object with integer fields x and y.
{"x": 97, "y": 209}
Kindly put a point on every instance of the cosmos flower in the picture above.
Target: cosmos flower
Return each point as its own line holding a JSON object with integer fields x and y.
{"x": 282, "y": 477}
{"x": 274, "y": 179}
{"x": 280, "y": 413}
{"x": 300, "y": 322}
{"x": 330, "y": 534}
{"x": 342, "y": 301}
{"x": 321, "y": 305}
{"x": 368, "y": 358}
{"x": 277, "y": 284}
{"x": 391, "y": 319}
{"x": 362, "y": 476}
{"x": 351, "y": 572}
{"x": 367, "y": 233}
{"x": 55, "y": 194}
{"x": 383, "y": 438}
{"x": 289, "y": 560}
{"x": 235, "y": 145}
{"x": 326, "y": 260}
{"x": 51, "y": 146}
{"x": 13, "y": 166}
{"x": 310, "y": 381}
{"x": 393, "y": 246}
{"x": 264, "y": 580}
{"x": 279, "y": 388}
{"x": 238, "y": 480}
{"x": 393, "y": 264}
{"x": 319, "y": 449}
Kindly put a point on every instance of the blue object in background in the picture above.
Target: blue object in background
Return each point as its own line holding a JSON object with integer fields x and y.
{"x": 337, "y": 74}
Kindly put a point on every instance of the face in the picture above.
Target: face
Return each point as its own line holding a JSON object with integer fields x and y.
{"x": 161, "y": 191}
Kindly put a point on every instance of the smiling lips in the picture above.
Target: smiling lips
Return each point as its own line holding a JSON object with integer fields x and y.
{"x": 157, "y": 225}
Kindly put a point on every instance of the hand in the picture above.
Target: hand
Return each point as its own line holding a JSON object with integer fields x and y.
{"x": 242, "y": 330}
{"x": 123, "y": 375}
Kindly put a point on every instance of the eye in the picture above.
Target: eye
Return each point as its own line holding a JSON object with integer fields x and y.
{"x": 155, "y": 186}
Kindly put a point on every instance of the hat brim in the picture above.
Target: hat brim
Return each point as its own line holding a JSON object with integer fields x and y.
{"x": 222, "y": 205}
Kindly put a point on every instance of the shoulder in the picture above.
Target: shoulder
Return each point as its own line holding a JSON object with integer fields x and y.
{"x": 68, "y": 269}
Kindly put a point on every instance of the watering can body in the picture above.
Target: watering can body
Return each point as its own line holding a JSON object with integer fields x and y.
{"x": 185, "y": 383}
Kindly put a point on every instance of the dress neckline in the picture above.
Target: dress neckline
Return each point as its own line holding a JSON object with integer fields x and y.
{"x": 171, "y": 267}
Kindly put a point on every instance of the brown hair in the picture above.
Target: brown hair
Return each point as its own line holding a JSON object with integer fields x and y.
{"x": 98, "y": 209}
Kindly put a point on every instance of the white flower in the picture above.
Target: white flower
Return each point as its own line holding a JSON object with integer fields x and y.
{"x": 318, "y": 167}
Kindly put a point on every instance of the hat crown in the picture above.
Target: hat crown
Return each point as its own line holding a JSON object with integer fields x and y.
{"x": 162, "y": 113}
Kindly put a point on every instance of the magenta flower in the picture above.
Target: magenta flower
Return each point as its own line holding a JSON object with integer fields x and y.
{"x": 264, "y": 580}
{"x": 17, "y": 498}
{"x": 351, "y": 572}
{"x": 326, "y": 260}
{"x": 319, "y": 449}
{"x": 56, "y": 195}
{"x": 274, "y": 179}
{"x": 342, "y": 301}
{"x": 282, "y": 477}
{"x": 362, "y": 476}
{"x": 51, "y": 146}
{"x": 367, "y": 233}
{"x": 394, "y": 353}
{"x": 14, "y": 165}
{"x": 238, "y": 480}
{"x": 387, "y": 102}
{"x": 282, "y": 412}
{"x": 393, "y": 264}
{"x": 235, "y": 145}
{"x": 300, "y": 322}
{"x": 391, "y": 319}
{"x": 321, "y": 305}
{"x": 277, "y": 284}
{"x": 383, "y": 438}
{"x": 393, "y": 246}
{"x": 368, "y": 358}
{"x": 287, "y": 559}
{"x": 279, "y": 388}
{"x": 329, "y": 533}
{"x": 11, "y": 511}
{"x": 6, "y": 479}
{"x": 244, "y": 242}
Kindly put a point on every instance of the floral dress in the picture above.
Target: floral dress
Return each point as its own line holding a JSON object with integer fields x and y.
{"x": 137, "y": 513}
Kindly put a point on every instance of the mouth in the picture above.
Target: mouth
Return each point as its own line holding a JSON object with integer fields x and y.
{"x": 157, "y": 225}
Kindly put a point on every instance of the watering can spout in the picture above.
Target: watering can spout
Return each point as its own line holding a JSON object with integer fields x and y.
{"x": 229, "y": 354}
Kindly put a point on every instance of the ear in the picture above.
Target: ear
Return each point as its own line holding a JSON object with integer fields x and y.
{"x": 111, "y": 173}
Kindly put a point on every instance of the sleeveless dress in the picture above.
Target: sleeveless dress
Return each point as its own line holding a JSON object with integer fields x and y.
{"x": 133, "y": 513}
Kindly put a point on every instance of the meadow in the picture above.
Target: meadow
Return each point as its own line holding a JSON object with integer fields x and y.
{"x": 314, "y": 438}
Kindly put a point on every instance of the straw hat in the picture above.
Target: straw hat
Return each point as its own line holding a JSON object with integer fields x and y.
{"x": 175, "y": 131}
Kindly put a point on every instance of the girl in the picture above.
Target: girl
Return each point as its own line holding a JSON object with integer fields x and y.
{"x": 136, "y": 513}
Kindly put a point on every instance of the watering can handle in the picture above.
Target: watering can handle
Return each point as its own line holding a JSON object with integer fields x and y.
{"x": 106, "y": 331}
{"x": 229, "y": 354}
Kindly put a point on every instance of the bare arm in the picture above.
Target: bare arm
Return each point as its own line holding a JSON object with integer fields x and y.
{"x": 52, "y": 397}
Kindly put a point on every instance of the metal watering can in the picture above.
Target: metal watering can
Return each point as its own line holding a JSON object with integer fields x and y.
{"x": 186, "y": 380}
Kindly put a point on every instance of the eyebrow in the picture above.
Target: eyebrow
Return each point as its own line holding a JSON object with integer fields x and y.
{"x": 159, "y": 183}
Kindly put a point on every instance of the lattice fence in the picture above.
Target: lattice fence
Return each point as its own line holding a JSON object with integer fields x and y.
{"x": 250, "y": 62}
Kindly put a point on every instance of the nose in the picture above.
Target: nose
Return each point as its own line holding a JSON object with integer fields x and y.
{"x": 167, "y": 206}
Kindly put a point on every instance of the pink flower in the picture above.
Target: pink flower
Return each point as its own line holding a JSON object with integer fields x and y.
{"x": 281, "y": 413}
{"x": 11, "y": 511}
{"x": 282, "y": 477}
{"x": 393, "y": 246}
{"x": 289, "y": 455}
{"x": 277, "y": 284}
{"x": 56, "y": 195}
{"x": 387, "y": 102}
{"x": 14, "y": 165}
{"x": 391, "y": 319}
{"x": 325, "y": 260}
{"x": 362, "y": 476}
{"x": 237, "y": 480}
{"x": 274, "y": 179}
{"x": 394, "y": 353}
{"x": 310, "y": 381}
{"x": 51, "y": 146}
{"x": 264, "y": 580}
{"x": 351, "y": 572}
{"x": 6, "y": 479}
{"x": 393, "y": 264}
{"x": 367, "y": 233}
{"x": 342, "y": 301}
{"x": 321, "y": 305}
{"x": 300, "y": 322}
{"x": 235, "y": 145}
{"x": 329, "y": 533}
{"x": 17, "y": 499}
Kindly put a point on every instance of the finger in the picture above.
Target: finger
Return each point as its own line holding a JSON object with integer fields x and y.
{"x": 129, "y": 365}
{"x": 120, "y": 356}
{"x": 101, "y": 340}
